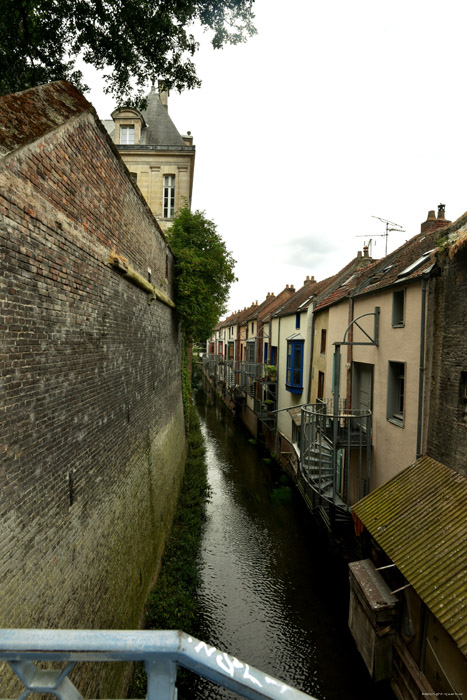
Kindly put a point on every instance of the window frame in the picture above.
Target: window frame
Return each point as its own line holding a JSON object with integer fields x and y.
{"x": 127, "y": 129}
{"x": 398, "y": 308}
{"x": 396, "y": 392}
{"x": 292, "y": 385}
{"x": 168, "y": 196}
{"x": 323, "y": 341}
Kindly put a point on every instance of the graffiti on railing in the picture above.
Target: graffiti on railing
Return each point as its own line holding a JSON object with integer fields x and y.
{"x": 234, "y": 667}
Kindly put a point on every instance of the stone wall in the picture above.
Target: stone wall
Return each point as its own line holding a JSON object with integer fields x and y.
{"x": 92, "y": 442}
{"x": 447, "y": 433}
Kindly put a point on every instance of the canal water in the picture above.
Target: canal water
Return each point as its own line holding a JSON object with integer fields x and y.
{"x": 269, "y": 594}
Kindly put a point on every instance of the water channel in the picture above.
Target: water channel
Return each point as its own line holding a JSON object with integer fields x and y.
{"x": 270, "y": 595}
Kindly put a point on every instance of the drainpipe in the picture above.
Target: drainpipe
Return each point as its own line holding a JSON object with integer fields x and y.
{"x": 422, "y": 369}
{"x": 311, "y": 353}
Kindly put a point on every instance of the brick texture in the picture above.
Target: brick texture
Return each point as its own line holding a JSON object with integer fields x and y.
{"x": 92, "y": 442}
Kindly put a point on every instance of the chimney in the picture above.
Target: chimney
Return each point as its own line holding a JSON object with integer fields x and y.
{"x": 163, "y": 94}
{"x": 365, "y": 251}
{"x": 432, "y": 223}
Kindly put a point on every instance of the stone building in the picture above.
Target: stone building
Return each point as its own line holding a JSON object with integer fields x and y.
{"x": 92, "y": 445}
{"x": 160, "y": 160}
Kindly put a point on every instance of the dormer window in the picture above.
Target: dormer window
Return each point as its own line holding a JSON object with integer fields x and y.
{"x": 127, "y": 135}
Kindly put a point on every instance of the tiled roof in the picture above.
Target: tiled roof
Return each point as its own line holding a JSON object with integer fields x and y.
{"x": 419, "y": 518}
{"x": 339, "y": 293}
{"x": 410, "y": 261}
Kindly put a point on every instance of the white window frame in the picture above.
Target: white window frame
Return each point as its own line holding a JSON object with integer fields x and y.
{"x": 168, "y": 197}
{"x": 127, "y": 135}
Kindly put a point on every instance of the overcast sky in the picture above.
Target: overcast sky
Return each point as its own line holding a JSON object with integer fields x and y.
{"x": 334, "y": 113}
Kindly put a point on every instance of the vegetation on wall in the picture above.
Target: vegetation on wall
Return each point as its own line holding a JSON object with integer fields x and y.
{"x": 172, "y": 603}
{"x": 204, "y": 271}
{"x": 134, "y": 41}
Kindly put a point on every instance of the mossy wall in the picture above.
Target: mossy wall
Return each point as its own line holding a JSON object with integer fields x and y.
{"x": 92, "y": 443}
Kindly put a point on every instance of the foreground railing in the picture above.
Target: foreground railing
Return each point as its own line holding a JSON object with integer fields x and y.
{"x": 161, "y": 651}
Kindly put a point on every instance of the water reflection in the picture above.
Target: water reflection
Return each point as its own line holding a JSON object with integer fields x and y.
{"x": 268, "y": 596}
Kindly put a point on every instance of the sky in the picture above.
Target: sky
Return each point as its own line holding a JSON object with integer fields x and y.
{"x": 335, "y": 113}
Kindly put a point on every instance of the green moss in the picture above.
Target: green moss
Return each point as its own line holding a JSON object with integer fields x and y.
{"x": 172, "y": 603}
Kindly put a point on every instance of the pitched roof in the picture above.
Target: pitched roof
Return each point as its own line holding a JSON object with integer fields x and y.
{"x": 29, "y": 115}
{"x": 338, "y": 293}
{"x": 412, "y": 260}
{"x": 419, "y": 518}
{"x": 160, "y": 129}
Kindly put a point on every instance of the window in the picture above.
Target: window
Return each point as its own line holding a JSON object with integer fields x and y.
{"x": 294, "y": 382}
{"x": 134, "y": 176}
{"x": 297, "y": 320}
{"x": 396, "y": 393}
{"x": 252, "y": 326}
{"x": 169, "y": 196}
{"x": 398, "y": 300}
{"x": 320, "y": 385}
{"x": 323, "y": 341}
{"x": 250, "y": 352}
{"x": 127, "y": 135}
{"x": 265, "y": 353}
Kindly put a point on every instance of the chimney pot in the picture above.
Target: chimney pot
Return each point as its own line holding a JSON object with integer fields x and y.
{"x": 441, "y": 208}
{"x": 359, "y": 254}
{"x": 365, "y": 251}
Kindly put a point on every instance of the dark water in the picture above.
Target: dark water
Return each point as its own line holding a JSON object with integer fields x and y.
{"x": 269, "y": 595}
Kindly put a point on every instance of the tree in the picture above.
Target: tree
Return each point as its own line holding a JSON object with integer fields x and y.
{"x": 204, "y": 271}
{"x": 135, "y": 41}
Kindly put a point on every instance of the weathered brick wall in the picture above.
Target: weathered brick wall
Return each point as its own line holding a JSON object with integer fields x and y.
{"x": 92, "y": 441}
{"x": 447, "y": 431}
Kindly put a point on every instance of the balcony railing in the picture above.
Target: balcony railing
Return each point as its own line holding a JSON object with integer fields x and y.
{"x": 161, "y": 651}
{"x": 335, "y": 453}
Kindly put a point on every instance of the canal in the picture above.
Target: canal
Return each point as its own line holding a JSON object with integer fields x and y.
{"x": 269, "y": 595}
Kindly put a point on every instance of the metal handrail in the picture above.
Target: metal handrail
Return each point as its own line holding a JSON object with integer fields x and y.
{"x": 162, "y": 652}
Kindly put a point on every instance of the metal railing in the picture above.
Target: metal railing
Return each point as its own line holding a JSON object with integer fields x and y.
{"x": 335, "y": 452}
{"x": 161, "y": 651}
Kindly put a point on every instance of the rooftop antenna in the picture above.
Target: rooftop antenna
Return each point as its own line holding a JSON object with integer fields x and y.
{"x": 389, "y": 224}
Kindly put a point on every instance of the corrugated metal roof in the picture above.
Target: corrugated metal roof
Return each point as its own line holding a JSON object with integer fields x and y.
{"x": 419, "y": 518}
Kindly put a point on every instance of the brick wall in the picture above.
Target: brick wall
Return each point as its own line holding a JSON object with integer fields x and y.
{"x": 91, "y": 435}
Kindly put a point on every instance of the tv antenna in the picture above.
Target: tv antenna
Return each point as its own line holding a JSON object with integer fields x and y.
{"x": 389, "y": 225}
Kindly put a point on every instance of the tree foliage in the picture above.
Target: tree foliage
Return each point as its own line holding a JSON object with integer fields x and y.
{"x": 134, "y": 41}
{"x": 204, "y": 272}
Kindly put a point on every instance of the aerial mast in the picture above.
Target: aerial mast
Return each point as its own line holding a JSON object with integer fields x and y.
{"x": 389, "y": 225}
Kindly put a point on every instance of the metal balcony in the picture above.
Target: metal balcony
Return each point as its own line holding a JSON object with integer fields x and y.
{"x": 161, "y": 651}
{"x": 335, "y": 455}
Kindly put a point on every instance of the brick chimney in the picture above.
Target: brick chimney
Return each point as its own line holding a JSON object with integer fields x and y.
{"x": 432, "y": 222}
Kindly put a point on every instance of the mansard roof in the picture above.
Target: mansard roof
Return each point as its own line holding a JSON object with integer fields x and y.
{"x": 157, "y": 129}
{"x": 160, "y": 129}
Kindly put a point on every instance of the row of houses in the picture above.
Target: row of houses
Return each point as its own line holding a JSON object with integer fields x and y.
{"x": 359, "y": 384}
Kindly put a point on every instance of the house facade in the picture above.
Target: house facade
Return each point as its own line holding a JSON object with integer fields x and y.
{"x": 160, "y": 160}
